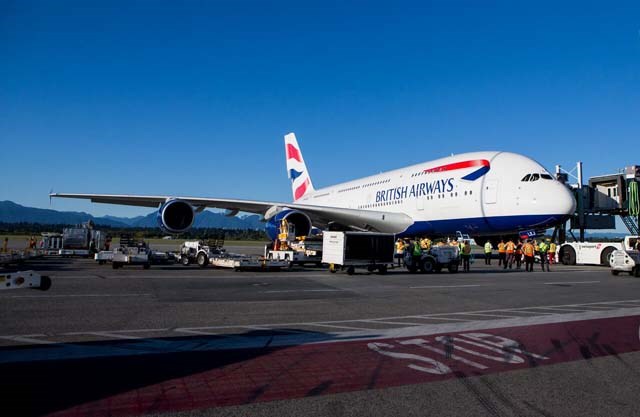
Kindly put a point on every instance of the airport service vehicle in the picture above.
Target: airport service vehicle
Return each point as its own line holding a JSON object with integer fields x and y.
{"x": 24, "y": 279}
{"x": 298, "y": 252}
{"x": 592, "y": 253}
{"x": 131, "y": 255}
{"x": 625, "y": 261}
{"x": 77, "y": 241}
{"x": 197, "y": 252}
{"x": 481, "y": 194}
{"x": 50, "y": 244}
{"x": 104, "y": 256}
{"x": 248, "y": 263}
{"x": 435, "y": 260}
{"x": 351, "y": 250}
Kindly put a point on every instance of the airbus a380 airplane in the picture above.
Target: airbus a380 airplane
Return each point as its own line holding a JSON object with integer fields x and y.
{"x": 482, "y": 194}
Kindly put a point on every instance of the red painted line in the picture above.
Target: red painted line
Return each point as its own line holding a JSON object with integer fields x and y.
{"x": 459, "y": 165}
{"x": 247, "y": 376}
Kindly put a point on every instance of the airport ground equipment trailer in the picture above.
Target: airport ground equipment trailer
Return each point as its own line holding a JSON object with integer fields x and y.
{"x": 592, "y": 253}
{"x": 248, "y": 263}
{"x": 434, "y": 260}
{"x": 131, "y": 252}
{"x": 24, "y": 279}
{"x": 199, "y": 252}
{"x": 351, "y": 250}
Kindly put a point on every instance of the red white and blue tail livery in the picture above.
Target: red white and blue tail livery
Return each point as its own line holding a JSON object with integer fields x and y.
{"x": 479, "y": 193}
{"x": 296, "y": 168}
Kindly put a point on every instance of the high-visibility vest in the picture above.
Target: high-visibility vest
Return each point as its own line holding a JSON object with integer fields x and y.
{"x": 511, "y": 247}
{"x": 416, "y": 250}
{"x": 528, "y": 249}
{"x": 552, "y": 248}
{"x": 399, "y": 247}
{"x": 543, "y": 247}
{"x": 487, "y": 247}
{"x": 501, "y": 247}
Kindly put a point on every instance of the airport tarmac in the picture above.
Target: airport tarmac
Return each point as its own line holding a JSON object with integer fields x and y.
{"x": 178, "y": 341}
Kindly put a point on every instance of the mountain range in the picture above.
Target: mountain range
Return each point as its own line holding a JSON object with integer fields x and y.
{"x": 11, "y": 212}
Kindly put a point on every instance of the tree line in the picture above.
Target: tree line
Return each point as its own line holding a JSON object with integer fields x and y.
{"x": 24, "y": 228}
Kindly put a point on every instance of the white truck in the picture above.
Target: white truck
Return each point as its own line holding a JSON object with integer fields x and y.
{"x": 591, "y": 253}
{"x": 196, "y": 251}
{"x": 435, "y": 260}
{"x": 627, "y": 259}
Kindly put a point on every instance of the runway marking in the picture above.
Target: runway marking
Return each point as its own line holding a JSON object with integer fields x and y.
{"x": 570, "y": 282}
{"x": 289, "y": 291}
{"x": 28, "y": 339}
{"x": 565, "y": 309}
{"x": 442, "y": 318}
{"x": 77, "y": 295}
{"x": 392, "y": 322}
{"x": 450, "y": 286}
{"x": 489, "y": 315}
{"x": 336, "y": 326}
{"x": 114, "y": 335}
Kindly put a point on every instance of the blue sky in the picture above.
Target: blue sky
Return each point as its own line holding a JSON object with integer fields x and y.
{"x": 194, "y": 97}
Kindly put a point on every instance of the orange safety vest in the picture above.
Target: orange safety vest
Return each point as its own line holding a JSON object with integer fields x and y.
{"x": 501, "y": 247}
{"x": 511, "y": 247}
{"x": 528, "y": 249}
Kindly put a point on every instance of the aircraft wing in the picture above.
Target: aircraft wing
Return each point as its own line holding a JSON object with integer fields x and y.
{"x": 320, "y": 216}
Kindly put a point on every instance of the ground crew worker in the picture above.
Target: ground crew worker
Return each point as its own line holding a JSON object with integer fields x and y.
{"x": 466, "y": 256}
{"x": 529, "y": 252}
{"x": 502, "y": 252}
{"x": 519, "y": 254}
{"x": 544, "y": 248}
{"x": 5, "y": 245}
{"x": 400, "y": 251}
{"x": 416, "y": 253}
{"x": 552, "y": 252}
{"x": 510, "y": 249}
{"x": 487, "y": 252}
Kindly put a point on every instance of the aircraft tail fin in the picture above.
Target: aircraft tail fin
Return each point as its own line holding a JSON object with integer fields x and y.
{"x": 301, "y": 184}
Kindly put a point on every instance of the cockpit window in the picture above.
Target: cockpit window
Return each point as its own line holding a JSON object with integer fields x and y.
{"x": 546, "y": 177}
{"x": 535, "y": 177}
{"x": 526, "y": 178}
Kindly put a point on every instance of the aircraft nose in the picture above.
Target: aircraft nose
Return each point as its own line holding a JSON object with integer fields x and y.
{"x": 565, "y": 202}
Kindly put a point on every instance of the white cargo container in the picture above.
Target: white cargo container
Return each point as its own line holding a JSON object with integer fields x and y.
{"x": 350, "y": 250}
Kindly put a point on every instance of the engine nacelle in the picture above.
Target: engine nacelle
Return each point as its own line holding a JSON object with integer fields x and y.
{"x": 176, "y": 216}
{"x": 301, "y": 222}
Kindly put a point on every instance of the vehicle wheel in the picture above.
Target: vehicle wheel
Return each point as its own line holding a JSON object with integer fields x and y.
{"x": 146, "y": 266}
{"x": 45, "y": 283}
{"x": 427, "y": 266}
{"x": 616, "y": 273}
{"x": 453, "y": 268}
{"x": 604, "y": 256}
{"x": 351, "y": 270}
{"x": 203, "y": 260}
{"x": 568, "y": 256}
{"x": 184, "y": 260}
{"x": 115, "y": 265}
{"x": 637, "y": 272}
{"x": 382, "y": 270}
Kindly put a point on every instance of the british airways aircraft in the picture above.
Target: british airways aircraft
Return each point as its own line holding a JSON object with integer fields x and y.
{"x": 482, "y": 194}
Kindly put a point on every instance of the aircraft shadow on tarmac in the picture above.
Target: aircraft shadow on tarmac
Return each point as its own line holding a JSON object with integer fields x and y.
{"x": 42, "y": 379}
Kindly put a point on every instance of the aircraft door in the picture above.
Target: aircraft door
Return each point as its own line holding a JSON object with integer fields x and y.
{"x": 420, "y": 203}
{"x": 490, "y": 192}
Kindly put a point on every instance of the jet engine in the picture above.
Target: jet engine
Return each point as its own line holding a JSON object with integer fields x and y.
{"x": 176, "y": 216}
{"x": 298, "y": 219}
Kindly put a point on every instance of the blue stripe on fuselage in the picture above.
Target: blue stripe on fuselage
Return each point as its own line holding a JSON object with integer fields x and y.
{"x": 482, "y": 225}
